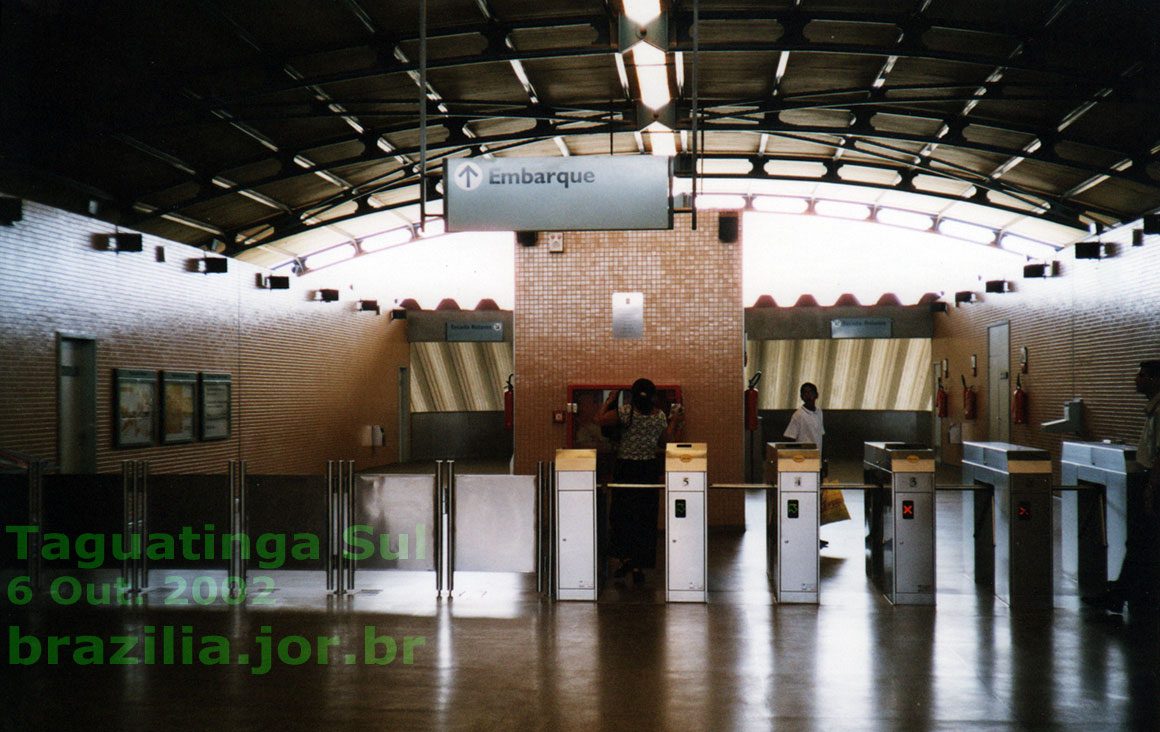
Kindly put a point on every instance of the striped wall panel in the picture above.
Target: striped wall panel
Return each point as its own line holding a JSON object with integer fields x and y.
{"x": 459, "y": 377}
{"x": 869, "y": 374}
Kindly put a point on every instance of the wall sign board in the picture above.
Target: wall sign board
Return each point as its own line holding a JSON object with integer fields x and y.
{"x": 475, "y": 331}
{"x": 861, "y": 327}
{"x": 627, "y": 315}
{"x": 579, "y": 193}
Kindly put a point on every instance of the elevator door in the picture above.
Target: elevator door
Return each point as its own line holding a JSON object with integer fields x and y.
{"x": 77, "y": 405}
{"x": 999, "y": 383}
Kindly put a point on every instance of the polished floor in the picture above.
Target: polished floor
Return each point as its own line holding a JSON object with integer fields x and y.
{"x": 497, "y": 656}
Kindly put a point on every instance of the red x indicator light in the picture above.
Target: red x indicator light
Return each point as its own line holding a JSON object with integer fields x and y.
{"x": 1023, "y": 511}
{"x": 908, "y": 510}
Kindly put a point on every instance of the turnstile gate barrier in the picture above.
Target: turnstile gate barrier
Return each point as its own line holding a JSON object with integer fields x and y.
{"x": 1095, "y": 522}
{"x": 686, "y": 522}
{"x": 900, "y": 521}
{"x": 793, "y": 520}
{"x": 1012, "y": 526}
{"x": 575, "y": 518}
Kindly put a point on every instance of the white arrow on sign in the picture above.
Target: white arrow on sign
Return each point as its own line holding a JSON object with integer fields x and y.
{"x": 468, "y": 177}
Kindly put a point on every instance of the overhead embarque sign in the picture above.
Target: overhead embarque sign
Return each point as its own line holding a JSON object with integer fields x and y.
{"x": 580, "y": 193}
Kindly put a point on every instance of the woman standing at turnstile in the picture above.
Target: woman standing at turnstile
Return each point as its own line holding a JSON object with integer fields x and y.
{"x": 633, "y": 512}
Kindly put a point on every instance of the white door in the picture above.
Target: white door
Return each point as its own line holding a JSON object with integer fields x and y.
{"x": 999, "y": 383}
{"x": 77, "y": 405}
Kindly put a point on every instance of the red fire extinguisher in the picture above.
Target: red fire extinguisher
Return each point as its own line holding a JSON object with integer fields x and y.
{"x": 751, "y": 403}
{"x": 1019, "y": 404}
{"x": 940, "y": 400}
{"x": 970, "y": 400}
{"x": 508, "y": 403}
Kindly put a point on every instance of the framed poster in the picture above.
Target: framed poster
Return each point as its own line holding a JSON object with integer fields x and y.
{"x": 178, "y": 406}
{"x": 214, "y": 406}
{"x": 135, "y": 407}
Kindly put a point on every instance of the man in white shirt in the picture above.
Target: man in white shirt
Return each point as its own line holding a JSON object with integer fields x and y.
{"x": 806, "y": 423}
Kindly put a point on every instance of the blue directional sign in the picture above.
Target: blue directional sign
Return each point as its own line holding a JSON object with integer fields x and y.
{"x": 579, "y": 193}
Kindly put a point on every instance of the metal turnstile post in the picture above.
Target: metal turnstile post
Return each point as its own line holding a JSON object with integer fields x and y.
{"x": 686, "y": 522}
{"x": 793, "y": 520}
{"x": 1020, "y": 479}
{"x": 574, "y": 518}
{"x": 903, "y": 520}
{"x": 1094, "y": 521}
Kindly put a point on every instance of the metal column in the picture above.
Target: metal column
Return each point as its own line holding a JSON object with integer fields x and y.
{"x": 134, "y": 497}
{"x": 340, "y": 513}
{"x": 239, "y": 528}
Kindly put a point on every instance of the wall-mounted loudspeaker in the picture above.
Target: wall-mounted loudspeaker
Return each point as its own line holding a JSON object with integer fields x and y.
{"x": 11, "y": 210}
{"x": 527, "y": 238}
{"x": 1152, "y": 224}
{"x": 328, "y": 295}
{"x": 216, "y": 265}
{"x": 126, "y": 242}
{"x": 727, "y": 228}
{"x": 278, "y": 282}
{"x": 1089, "y": 249}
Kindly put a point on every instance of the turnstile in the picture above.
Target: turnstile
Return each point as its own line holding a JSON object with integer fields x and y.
{"x": 686, "y": 522}
{"x": 793, "y": 516}
{"x": 1011, "y": 523}
{"x": 900, "y": 520}
{"x": 1095, "y": 521}
{"x": 575, "y": 518}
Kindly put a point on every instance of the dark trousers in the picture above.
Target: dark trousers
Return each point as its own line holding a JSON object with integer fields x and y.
{"x": 1140, "y": 572}
{"x": 632, "y": 515}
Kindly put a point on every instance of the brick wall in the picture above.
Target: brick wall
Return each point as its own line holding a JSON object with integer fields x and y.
{"x": 693, "y": 336}
{"x": 307, "y": 376}
{"x": 1086, "y": 332}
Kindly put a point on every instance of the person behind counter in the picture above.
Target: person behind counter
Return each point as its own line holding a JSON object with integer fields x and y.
{"x": 633, "y": 512}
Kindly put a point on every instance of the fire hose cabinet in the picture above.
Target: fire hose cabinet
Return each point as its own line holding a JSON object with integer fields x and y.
{"x": 686, "y": 522}
{"x": 793, "y": 520}
{"x": 575, "y": 516}
{"x": 905, "y": 522}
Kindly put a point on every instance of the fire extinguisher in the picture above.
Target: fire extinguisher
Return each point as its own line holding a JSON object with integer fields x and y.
{"x": 508, "y": 403}
{"x": 940, "y": 400}
{"x": 970, "y": 400}
{"x": 1019, "y": 404}
{"x": 751, "y": 403}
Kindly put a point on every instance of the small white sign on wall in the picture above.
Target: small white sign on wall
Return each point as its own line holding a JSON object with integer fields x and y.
{"x": 628, "y": 315}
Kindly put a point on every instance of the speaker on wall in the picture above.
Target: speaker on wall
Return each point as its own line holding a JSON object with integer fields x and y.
{"x": 727, "y": 227}
{"x": 127, "y": 242}
{"x": 527, "y": 238}
{"x": 11, "y": 210}
{"x": 1152, "y": 223}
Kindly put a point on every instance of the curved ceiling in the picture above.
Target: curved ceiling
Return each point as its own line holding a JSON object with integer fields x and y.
{"x": 255, "y": 124}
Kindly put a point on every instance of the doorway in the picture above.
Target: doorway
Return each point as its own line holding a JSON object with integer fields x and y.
{"x": 77, "y": 404}
{"x": 999, "y": 382}
{"x": 404, "y": 412}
